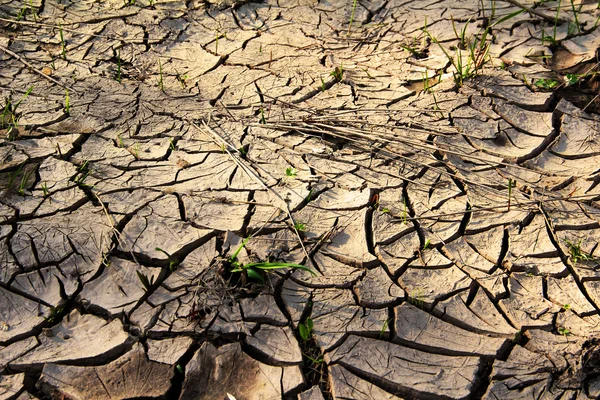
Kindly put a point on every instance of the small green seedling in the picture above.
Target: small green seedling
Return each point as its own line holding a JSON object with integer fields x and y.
{"x": 352, "y": 16}
{"x": 338, "y": 73}
{"x": 173, "y": 263}
{"x": 305, "y": 329}
{"x": 417, "y": 298}
{"x": 255, "y": 270}
{"x": 146, "y": 283}
{"x": 24, "y": 180}
{"x": 426, "y": 245}
{"x": 161, "y": 85}
{"x": 45, "y": 189}
{"x": 181, "y": 79}
{"x": 385, "y": 210}
{"x": 67, "y": 102}
{"x": 571, "y": 79}
{"x": 577, "y": 254}
{"x": 323, "y": 88}
{"x": 291, "y": 172}
{"x": 386, "y": 323}
{"x": 62, "y": 42}
{"x": 135, "y": 151}
{"x": 9, "y": 118}
{"x": 171, "y": 144}
{"x": 404, "y": 212}
{"x": 262, "y": 116}
{"x": 564, "y": 331}
{"x": 82, "y": 173}
{"x": 54, "y": 315}
{"x": 308, "y": 198}
{"x": 300, "y": 227}
{"x": 546, "y": 83}
{"x": 315, "y": 361}
{"x": 566, "y": 307}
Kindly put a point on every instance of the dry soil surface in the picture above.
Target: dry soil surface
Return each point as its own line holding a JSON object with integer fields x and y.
{"x": 434, "y": 163}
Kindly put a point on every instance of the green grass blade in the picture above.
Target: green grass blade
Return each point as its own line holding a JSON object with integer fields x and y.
{"x": 507, "y": 17}
{"x": 265, "y": 266}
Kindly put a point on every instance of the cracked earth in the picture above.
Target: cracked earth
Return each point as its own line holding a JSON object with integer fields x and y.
{"x": 452, "y": 228}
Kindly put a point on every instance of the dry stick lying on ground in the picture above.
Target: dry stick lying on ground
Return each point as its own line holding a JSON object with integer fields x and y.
{"x": 284, "y": 205}
{"x": 31, "y": 67}
{"x": 540, "y": 14}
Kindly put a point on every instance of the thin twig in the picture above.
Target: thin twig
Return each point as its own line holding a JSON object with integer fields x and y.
{"x": 540, "y": 14}
{"x": 31, "y": 67}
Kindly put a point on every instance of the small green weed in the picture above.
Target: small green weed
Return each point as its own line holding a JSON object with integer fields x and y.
{"x": 564, "y": 331}
{"x": 62, "y": 42}
{"x": 161, "y": 84}
{"x": 10, "y": 116}
{"x": 82, "y": 173}
{"x": 173, "y": 263}
{"x": 417, "y": 298}
{"x": 255, "y": 270}
{"x": 291, "y": 172}
{"x": 352, "y": 16}
{"x": 45, "y": 189}
{"x": 55, "y": 313}
{"x": 262, "y": 116}
{"x": 25, "y": 180}
{"x": 146, "y": 283}
{"x": 181, "y": 79}
{"x": 572, "y": 79}
{"x": 386, "y": 323}
{"x": 338, "y": 73}
{"x": 67, "y": 102}
{"x": 300, "y": 227}
{"x": 308, "y": 197}
{"x": 385, "y": 210}
{"x": 576, "y": 253}
{"x": 427, "y": 244}
{"x": 546, "y": 83}
{"x": 305, "y": 329}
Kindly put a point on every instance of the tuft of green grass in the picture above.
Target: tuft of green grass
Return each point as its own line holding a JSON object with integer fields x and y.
{"x": 45, "y": 189}
{"x": 146, "y": 283}
{"x": 576, "y": 253}
{"x": 25, "y": 180}
{"x": 82, "y": 173}
{"x": 255, "y": 270}
{"x": 476, "y": 47}
{"x": 338, "y": 73}
{"x": 10, "y": 116}
{"x": 300, "y": 227}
